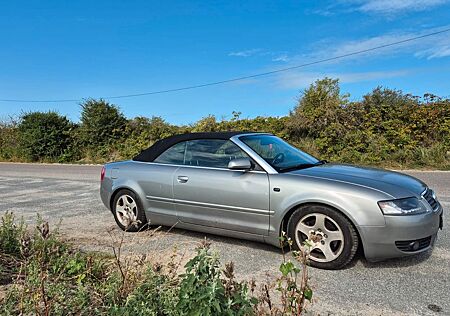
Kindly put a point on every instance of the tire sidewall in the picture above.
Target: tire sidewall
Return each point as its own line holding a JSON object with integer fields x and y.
{"x": 350, "y": 235}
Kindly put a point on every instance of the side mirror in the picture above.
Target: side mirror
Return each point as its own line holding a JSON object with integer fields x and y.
{"x": 240, "y": 164}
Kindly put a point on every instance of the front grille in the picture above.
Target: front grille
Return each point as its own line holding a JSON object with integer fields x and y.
{"x": 429, "y": 197}
{"x": 413, "y": 245}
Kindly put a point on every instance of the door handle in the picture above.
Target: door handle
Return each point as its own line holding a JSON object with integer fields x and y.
{"x": 182, "y": 179}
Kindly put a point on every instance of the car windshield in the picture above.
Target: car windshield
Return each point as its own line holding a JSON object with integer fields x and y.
{"x": 278, "y": 153}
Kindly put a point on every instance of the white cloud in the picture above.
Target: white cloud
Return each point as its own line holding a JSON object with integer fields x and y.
{"x": 430, "y": 47}
{"x": 276, "y": 56}
{"x": 437, "y": 46}
{"x": 387, "y": 8}
{"x": 298, "y": 80}
{"x": 394, "y": 6}
{"x": 436, "y": 52}
{"x": 369, "y": 43}
{"x": 283, "y": 58}
{"x": 245, "y": 53}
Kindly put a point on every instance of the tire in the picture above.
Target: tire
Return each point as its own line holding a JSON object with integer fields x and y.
{"x": 340, "y": 241}
{"x": 126, "y": 204}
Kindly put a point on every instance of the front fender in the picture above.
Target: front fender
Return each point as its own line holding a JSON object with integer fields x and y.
{"x": 356, "y": 202}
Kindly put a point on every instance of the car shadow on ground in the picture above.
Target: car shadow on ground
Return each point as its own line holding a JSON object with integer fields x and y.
{"x": 401, "y": 262}
{"x": 200, "y": 236}
{"x": 398, "y": 262}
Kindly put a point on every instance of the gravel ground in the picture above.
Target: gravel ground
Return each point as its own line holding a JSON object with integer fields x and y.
{"x": 417, "y": 285}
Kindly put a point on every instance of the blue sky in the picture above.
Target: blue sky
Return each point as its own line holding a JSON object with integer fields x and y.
{"x": 78, "y": 49}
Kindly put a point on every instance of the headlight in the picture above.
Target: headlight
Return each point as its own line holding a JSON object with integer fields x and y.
{"x": 408, "y": 206}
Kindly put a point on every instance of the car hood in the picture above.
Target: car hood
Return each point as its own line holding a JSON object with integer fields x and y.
{"x": 396, "y": 184}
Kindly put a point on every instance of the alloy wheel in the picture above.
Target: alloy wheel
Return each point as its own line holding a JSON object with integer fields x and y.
{"x": 332, "y": 242}
{"x": 126, "y": 210}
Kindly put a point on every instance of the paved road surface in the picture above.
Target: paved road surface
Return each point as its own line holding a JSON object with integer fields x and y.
{"x": 402, "y": 286}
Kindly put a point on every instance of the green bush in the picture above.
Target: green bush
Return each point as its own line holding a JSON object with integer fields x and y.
{"x": 9, "y": 138}
{"x": 319, "y": 108}
{"x": 204, "y": 292}
{"x": 386, "y": 127}
{"x": 142, "y": 132}
{"x": 206, "y": 124}
{"x": 45, "y": 136}
{"x": 102, "y": 125}
{"x": 276, "y": 125}
{"x": 50, "y": 277}
{"x": 11, "y": 234}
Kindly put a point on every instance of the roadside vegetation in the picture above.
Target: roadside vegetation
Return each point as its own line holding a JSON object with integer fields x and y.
{"x": 41, "y": 274}
{"x": 385, "y": 128}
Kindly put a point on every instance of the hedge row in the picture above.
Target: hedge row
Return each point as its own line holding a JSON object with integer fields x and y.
{"x": 386, "y": 127}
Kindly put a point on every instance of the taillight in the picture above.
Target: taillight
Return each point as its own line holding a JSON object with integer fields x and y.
{"x": 102, "y": 174}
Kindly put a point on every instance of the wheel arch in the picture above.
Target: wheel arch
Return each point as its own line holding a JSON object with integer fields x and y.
{"x": 290, "y": 211}
{"x": 117, "y": 190}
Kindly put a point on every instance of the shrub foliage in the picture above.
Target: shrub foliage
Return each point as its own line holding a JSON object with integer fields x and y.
{"x": 101, "y": 126}
{"x": 45, "y": 136}
{"x": 386, "y": 127}
{"x": 44, "y": 275}
{"x": 9, "y": 138}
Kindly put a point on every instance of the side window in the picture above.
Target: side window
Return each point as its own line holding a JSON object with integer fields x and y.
{"x": 174, "y": 155}
{"x": 215, "y": 153}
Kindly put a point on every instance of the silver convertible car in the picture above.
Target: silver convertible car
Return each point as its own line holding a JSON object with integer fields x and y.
{"x": 256, "y": 186}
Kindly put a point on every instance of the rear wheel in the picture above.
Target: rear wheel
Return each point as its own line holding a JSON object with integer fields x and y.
{"x": 128, "y": 211}
{"x": 339, "y": 241}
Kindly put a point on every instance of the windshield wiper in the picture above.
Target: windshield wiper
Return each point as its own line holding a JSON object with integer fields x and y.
{"x": 302, "y": 166}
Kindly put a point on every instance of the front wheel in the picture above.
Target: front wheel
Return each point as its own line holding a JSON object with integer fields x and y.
{"x": 339, "y": 241}
{"x": 128, "y": 211}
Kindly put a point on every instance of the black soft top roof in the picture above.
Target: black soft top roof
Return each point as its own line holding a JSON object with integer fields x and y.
{"x": 161, "y": 145}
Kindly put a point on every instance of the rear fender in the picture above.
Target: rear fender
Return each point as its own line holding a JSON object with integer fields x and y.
{"x": 128, "y": 184}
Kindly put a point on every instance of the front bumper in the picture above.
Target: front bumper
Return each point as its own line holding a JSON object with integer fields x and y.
{"x": 392, "y": 240}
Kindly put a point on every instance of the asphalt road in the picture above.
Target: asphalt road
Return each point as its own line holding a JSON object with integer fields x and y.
{"x": 402, "y": 286}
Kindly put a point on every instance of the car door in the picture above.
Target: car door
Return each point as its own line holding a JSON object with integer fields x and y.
{"x": 156, "y": 179}
{"x": 207, "y": 193}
